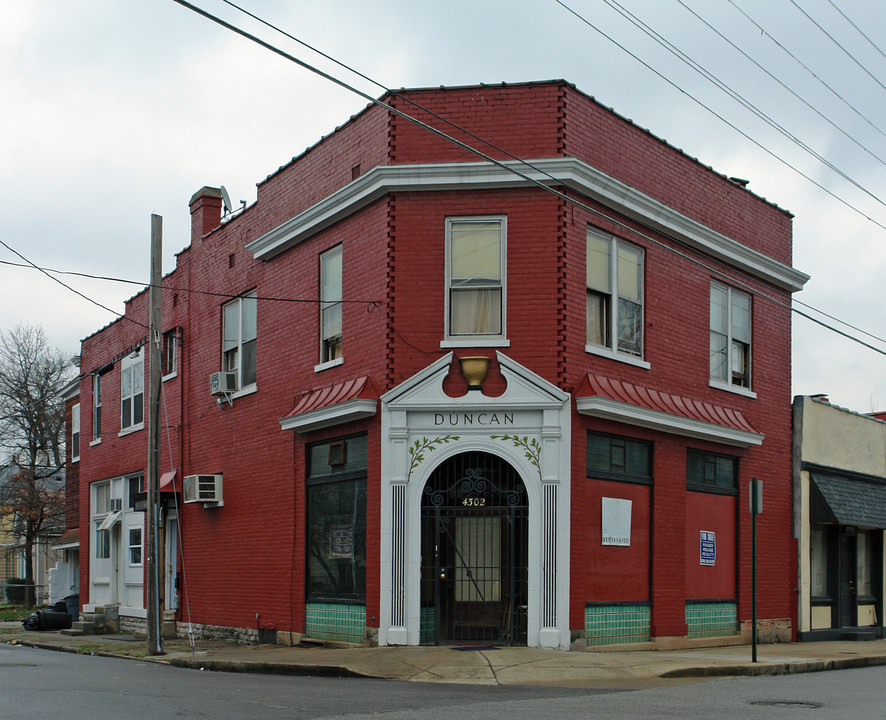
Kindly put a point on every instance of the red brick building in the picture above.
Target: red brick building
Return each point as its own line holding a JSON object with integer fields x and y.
{"x": 590, "y": 483}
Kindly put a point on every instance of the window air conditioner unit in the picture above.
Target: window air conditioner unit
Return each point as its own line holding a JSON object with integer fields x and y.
{"x": 222, "y": 383}
{"x": 116, "y": 504}
{"x": 202, "y": 488}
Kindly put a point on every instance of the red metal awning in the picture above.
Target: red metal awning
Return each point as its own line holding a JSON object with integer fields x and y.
{"x": 621, "y": 401}
{"x": 166, "y": 481}
{"x": 332, "y": 405}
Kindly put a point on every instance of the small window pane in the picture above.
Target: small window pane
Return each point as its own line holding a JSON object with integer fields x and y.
{"x": 598, "y": 264}
{"x": 629, "y": 261}
{"x": 819, "y": 558}
{"x": 710, "y": 470}
{"x": 718, "y": 356}
{"x": 476, "y": 251}
{"x": 597, "y": 318}
{"x": 249, "y": 308}
{"x": 719, "y": 309}
{"x": 619, "y": 458}
{"x": 231, "y": 326}
{"x": 249, "y": 363}
{"x": 475, "y": 312}
{"x": 741, "y": 317}
{"x": 630, "y": 327}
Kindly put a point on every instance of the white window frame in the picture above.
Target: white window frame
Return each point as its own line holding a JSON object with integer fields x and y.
{"x": 330, "y": 301}
{"x": 498, "y": 339}
{"x": 100, "y": 501}
{"x": 96, "y": 409}
{"x": 133, "y": 366}
{"x": 609, "y": 347}
{"x": 170, "y": 354}
{"x": 139, "y": 546}
{"x": 75, "y": 433}
{"x": 728, "y": 383}
{"x": 241, "y": 303}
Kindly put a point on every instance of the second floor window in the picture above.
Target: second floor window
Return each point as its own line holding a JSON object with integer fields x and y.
{"x": 730, "y": 336}
{"x": 132, "y": 390}
{"x": 239, "y": 336}
{"x": 614, "y": 295}
{"x": 170, "y": 353}
{"x": 475, "y": 277}
{"x": 96, "y": 407}
{"x": 75, "y": 432}
{"x": 330, "y": 305}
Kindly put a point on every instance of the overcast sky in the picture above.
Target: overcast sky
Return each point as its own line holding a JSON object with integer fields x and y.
{"x": 113, "y": 110}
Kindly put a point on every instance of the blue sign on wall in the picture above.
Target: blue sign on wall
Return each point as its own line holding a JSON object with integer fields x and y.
{"x": 708, "y": 548}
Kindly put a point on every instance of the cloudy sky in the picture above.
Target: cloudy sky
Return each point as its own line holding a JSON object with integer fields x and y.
{"x": 113, "y": 110}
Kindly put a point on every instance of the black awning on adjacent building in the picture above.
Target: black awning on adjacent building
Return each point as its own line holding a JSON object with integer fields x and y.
{"x": 848, "y": 501}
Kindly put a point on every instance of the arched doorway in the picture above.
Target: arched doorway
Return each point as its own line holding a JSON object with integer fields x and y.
{"x": 474, "y": 566}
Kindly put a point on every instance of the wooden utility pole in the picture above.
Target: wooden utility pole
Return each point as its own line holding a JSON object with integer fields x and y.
{"x": 154, "y": 635}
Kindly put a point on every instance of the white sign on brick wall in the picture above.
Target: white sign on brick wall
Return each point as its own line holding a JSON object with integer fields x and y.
{"x": 616, "y": 522}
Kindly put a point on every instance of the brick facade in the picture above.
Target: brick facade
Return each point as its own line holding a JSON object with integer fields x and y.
{"x": 245, "y": 563}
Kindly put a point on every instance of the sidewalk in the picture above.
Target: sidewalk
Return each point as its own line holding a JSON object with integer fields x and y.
{"x": 481, "y": 666}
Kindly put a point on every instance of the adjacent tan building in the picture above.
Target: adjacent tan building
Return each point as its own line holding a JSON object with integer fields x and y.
{"x": 839, "y": 518}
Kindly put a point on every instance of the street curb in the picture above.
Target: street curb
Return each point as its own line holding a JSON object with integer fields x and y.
{"x": 790, "y": 668}
{"x": 334, "y": 671}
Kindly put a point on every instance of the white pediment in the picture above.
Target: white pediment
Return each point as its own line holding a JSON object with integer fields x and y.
{"x": 524, "y": 390}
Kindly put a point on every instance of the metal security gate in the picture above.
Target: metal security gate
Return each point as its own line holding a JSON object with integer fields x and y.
{"x": 474, "y": 586}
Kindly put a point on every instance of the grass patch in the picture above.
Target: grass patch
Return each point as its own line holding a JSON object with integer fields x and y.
{"x": 11, "y": 613}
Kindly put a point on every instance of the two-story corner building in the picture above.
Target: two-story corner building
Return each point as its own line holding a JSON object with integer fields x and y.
{"x": 415, "y": 396}
{"x": 839, "y": 519}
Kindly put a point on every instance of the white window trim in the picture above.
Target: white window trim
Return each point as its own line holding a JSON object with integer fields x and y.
{"x": 127, "y": 362}
{"x": 129, "y": 547}
{"x": 170, "y": 335}
{"x": 330, "y": 364}
{"x": 727, "y": 385}
{"x": 251, "y": 387}
{"x": 611, "y": 351}
{"x": 497, "y": 340}
{"x": 619, "y": 357}
{"x": 336, "y": 250}
{"x": 96, "y": 404}
{"x": 737, "y": 389}
{"x": 75, "y": 430}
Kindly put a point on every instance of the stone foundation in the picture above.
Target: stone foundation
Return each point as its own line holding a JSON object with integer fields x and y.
{"x": 244, "y": 636}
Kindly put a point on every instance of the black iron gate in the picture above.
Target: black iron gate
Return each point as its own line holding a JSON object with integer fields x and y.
{"x": 474, "y": 586}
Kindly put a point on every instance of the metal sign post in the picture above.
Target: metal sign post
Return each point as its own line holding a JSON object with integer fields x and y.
{"x": 756, "y": 509}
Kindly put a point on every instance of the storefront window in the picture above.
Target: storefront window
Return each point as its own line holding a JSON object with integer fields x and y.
{"x": 337, "y": 520}
{"x": 819, "y": 553}
{"x": 864, "y": 562}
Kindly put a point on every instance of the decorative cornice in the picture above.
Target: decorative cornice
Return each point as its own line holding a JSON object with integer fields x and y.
{"x": 572, "y": 172}
{"x": 607, "y": 409}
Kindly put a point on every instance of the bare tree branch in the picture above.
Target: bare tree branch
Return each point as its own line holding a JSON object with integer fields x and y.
{"x": 32, "y": 436}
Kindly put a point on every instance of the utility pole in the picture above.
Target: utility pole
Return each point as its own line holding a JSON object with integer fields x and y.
{"x": 154, "y": 636}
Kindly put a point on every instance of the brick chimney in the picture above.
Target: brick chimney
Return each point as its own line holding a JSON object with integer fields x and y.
{"x": 206, "y": 207}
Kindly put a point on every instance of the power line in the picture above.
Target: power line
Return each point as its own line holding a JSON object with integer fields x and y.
{"x": 807, "y": 69}
{"x": 174, "y": 288}
{"x": 799, "y": 97}
{"x": 740, "y": 99}
{"x": 68, "y": 287}
{"x": 857, "y": 29}
{"x": 721, "y": 118}
{"x": 834, "y": 40}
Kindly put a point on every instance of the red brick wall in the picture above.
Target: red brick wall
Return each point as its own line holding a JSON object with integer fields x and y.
{"x": 246, "y": 558}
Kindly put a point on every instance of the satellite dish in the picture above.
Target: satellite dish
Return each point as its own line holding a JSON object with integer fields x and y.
{"x": 226, "y": 199}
